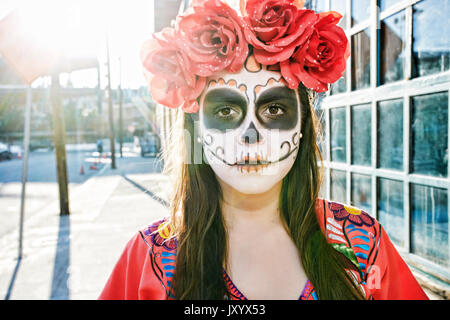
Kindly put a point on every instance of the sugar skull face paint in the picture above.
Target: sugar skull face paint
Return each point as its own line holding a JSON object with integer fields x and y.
{"x": 250, "y": 127}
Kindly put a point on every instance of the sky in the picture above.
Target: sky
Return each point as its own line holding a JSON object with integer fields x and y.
{"x": 128, "y": 23}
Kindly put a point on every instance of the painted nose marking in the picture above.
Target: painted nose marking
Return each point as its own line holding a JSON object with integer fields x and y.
{"x": 251, "y": 135}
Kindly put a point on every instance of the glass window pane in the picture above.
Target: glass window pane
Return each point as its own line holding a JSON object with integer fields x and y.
{"x": 338, "y": 186}
{"x": 431, "y": 41}
{"x": 316, "y": 5}
{"x": 430, "y": 134}
{"x": 361, "y": 135}
{"x": 392, "y": 48}
{"x": 338, "y": 131}
{"x": 390, "y": 209}
{"x": 362, "y": 192}
{"x": 390, "y": 134}
{"x": 341, "y": 7}
{"x": 361, "y": 60}
{"x": 384, "y": 4}
{"x": 340, "y": 86}
{"x": 360, "y": 11}
{"x": 429, "y": 218}
{"x": 323, "y": 187}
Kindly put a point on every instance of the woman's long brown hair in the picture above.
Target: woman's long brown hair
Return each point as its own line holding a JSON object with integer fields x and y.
{"x": 199, "y": 227}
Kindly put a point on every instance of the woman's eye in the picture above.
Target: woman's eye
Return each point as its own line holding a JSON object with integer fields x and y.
{"x": 226, "y": 112}
{"x": 274, "y": 110}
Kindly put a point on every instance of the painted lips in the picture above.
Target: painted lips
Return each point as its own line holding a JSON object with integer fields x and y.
{"x": 251, "y": 164}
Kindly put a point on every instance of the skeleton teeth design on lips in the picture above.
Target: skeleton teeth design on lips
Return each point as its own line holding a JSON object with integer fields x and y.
{"x": 250, "y": 124}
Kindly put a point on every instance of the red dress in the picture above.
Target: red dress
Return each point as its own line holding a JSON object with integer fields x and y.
{"x": 146, "y": 268}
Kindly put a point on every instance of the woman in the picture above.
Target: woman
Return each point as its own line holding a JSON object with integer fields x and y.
{"x": 246, "y": 221}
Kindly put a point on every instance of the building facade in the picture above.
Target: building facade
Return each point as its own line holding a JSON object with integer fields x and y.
{"x": 386, "y": 124}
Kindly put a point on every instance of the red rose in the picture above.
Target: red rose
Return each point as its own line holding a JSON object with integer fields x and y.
{"x": 211, "y": 34}
{"x": 276, "y": 28}
{"x": 323, "y": 60}
{"x": 168, "y": 71}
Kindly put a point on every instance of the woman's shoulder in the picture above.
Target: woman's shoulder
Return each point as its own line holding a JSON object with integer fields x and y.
{"x": 351, "y": 231}
{"x": 158, "y": 235}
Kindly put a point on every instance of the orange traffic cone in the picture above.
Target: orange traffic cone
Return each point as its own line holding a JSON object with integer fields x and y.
{"x": 82, "y": 170}
{"x": 93, "y": 167}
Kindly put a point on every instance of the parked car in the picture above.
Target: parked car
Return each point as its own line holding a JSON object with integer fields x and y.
{"x": 5, "y": 154}
{"x": 16, "y": 151}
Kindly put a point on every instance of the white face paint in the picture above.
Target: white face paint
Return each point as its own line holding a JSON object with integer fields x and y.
{"x": 250, "y": 126}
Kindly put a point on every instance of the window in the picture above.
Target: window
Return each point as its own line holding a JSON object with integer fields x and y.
{"x": 338, "y": 132}
{"x": 398, "y": 81}
{"x": 391, "y": 209}
{"x": 361, "y": 135}
{"x": 360, "y": 11}
{"x": 429, "y": 218}
{"x": 362, "y": 192}
{"x": 431, "y": 41}
{"x": 430, "y": 134}
{"x": 384, "y": 4}
{"x": 338, "y": 185}
{"x": 392, "y": 50}
{"x": 341, "y": 7}
{"x": 390, "y": 134}
{"x": 360, "y": 56}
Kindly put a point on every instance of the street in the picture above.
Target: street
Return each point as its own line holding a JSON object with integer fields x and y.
{"x": 42, "y": 188}
{"x": 75, "y": 254}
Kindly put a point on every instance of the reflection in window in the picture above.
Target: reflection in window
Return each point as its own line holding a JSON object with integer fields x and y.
{"x": 360, "y": 56}
{"x": 431, "y": 41}
{"x": 429, "y": 219}
{"x": 430, "y": 134}
{"x": 338, "y": 131}
{"x": 338, "y": 185}
{"x": 390, "y": 134}
{"x": 390, "y": 209}
{"x": 360, "y": 11}
{"x": 384, "y": 4}
{"x": 392, "y": 48}
{"x": 362, "y": 192}
{"x": 361, "y": 134}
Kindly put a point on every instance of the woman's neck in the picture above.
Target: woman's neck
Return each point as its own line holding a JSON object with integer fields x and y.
{"x": 260, "y": 209}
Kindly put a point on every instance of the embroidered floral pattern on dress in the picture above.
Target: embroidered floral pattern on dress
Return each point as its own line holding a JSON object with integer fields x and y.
{"x": 356, "y": 216}
{"x": 161, "y": 235}
{"x": 355, "y": 234}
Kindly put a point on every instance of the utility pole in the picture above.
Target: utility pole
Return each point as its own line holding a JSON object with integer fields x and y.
{"x": 120, "y": 108}
{"x": 110, "y": 109}
{"x": 59, "y": 138}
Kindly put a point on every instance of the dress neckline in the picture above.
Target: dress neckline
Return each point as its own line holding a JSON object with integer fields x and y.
{"x": 241, "y": 296}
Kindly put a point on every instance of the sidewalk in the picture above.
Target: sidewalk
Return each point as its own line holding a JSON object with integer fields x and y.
{"x": 71, "y": 257}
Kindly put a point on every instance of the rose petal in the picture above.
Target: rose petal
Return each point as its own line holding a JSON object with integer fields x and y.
{"x": 288, "y": 75}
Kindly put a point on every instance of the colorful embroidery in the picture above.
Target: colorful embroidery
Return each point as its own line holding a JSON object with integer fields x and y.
{"x": 356, "y": 216}
{"x": 161, "y": 235}
{"x": 353, "y": 233}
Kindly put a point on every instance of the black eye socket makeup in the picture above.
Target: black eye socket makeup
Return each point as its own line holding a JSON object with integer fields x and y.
{"x": 224, "y": 109}
{"x": 277, "y": 108}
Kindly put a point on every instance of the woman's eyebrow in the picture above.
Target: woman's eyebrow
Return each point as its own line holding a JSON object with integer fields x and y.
{"x": 277, "y": 93}
{"x": 221, "y": 95}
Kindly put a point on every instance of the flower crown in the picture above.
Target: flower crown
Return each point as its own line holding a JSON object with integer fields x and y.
{"x": 210, "y": 37}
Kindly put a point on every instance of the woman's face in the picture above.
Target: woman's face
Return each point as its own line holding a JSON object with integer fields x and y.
{"x": 250, "y": 127}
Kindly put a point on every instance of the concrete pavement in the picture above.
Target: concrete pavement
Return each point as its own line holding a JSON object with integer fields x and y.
{"x": 71, "y": 257}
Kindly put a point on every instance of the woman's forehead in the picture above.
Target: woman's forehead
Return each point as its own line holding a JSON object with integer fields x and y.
{"x": 251, "y": 80}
